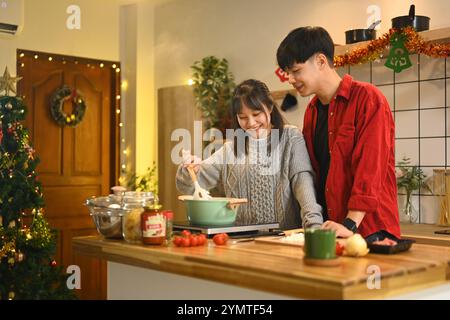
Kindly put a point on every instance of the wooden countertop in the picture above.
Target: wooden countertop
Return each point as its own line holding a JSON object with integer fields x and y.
{"x": 424, "y": 233}
{"x": 280, "y": 269}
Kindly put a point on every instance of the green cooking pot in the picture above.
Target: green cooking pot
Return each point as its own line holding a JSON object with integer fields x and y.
{"x": 212, "y": 212}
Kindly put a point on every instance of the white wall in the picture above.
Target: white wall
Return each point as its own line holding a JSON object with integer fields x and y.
{"x": 45, "y": 30}
{"x": 248, "y": 32}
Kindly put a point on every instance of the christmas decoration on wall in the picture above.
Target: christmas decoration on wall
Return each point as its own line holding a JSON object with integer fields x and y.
{"x": 398, "y": 58}
{"x": 281, "y": 74}
{"x": 373, "y": 50}
{"x": 57, "y": 100}
{"x": 26, "y": 250}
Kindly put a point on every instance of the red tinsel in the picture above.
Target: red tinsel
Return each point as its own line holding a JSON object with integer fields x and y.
{"x": 372, "y": 51}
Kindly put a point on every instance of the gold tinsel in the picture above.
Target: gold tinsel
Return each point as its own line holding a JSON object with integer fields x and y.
{"x": 372, "y": 51}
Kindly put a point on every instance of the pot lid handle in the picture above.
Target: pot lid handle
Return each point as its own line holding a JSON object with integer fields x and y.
{"x": 412, "y": 12}
{"x": 374, "y": 24}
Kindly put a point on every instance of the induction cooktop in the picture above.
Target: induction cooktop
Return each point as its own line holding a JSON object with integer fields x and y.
{"x": 233, "y": 230}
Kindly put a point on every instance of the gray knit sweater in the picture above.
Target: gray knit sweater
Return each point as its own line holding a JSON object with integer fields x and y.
{"x": 279, "y": 186}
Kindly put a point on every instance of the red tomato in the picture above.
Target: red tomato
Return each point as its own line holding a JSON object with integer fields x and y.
{"x": 194, "y": 241}
{"x": 201, "y": 239}
{"x": 177, "y": 241}
{"x": 220, "y": 239}
{"x": 185, "y": 242}
{"x": 339, "y": 249}
{"x": 186, "y": 233}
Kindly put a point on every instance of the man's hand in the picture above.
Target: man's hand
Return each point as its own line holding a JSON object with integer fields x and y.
{"x": 340, "y": 230}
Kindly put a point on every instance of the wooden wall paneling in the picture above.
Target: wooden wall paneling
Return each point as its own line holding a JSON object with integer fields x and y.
{"x": 176, "y": 109}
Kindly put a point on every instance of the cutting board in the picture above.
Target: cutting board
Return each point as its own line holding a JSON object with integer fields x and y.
{"x": 277, "y": 240}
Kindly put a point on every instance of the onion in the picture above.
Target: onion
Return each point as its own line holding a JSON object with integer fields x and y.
{"x": 356, "y": 246}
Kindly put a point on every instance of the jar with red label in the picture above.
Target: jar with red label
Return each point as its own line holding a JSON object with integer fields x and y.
{"x": 153, "y": 225}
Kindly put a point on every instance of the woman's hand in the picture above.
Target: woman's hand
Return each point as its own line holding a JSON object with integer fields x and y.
{"x": 190, "y": 160}
{"x": 340, "y": 230}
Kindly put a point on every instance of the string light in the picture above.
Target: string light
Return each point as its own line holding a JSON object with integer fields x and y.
{"x": 101, "y": 64}
{"x": 190, "y": 82}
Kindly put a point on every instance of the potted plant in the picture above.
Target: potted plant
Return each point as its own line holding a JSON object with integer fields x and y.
{"x": 213, "y": 88}
{"x": 410, "y": 178}
{"x": 142, "y": 182}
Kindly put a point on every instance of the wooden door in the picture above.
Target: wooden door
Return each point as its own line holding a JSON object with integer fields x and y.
{"x": 78, "y": 162}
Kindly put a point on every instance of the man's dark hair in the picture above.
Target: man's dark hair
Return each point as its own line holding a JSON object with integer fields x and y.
{"x": 302, "y": 43}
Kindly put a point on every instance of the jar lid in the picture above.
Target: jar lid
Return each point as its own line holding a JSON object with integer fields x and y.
{"x": 168, "y": 214}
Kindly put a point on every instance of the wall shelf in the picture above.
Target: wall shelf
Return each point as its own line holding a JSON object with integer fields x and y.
{"x": 431, "y": 36}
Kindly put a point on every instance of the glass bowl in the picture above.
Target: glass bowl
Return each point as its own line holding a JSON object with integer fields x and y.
{"x": 108, "y": 212}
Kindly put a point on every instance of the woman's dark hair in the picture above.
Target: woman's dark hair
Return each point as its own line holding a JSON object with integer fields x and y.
{"x": 302, "y": 43}
{"x": 254, "y": 94}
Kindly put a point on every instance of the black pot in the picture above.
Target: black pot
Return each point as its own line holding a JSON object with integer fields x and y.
{"x": 358, "y": 35}
{"x": 420, "y": 23}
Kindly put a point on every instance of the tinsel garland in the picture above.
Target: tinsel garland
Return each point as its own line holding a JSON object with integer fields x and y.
{"x": 372, "y": 51}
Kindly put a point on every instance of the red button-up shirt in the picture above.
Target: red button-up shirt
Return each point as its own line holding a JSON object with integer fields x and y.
{"x": 362, "y": 159}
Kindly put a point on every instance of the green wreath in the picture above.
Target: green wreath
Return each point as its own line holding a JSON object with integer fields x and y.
{"x": 57, "y": 100}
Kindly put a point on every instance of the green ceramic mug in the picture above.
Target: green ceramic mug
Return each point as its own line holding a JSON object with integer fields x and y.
{"x": 320, "y": 244}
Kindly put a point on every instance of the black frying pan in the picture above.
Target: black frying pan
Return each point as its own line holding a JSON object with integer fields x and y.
{"x": 358, "y": 35}
{"x": 420, "y": 23}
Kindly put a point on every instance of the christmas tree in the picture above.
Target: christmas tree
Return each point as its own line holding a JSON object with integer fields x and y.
{"x": 27, "y": 244}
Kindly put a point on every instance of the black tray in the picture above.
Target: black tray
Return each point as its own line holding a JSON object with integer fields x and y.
{"x": 401, "y": 246}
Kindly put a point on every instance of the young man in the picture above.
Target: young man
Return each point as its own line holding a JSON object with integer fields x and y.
{"x": 350, "y": 134}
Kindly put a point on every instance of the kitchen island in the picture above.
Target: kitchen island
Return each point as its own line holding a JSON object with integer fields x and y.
{"x": 259, "y": 270}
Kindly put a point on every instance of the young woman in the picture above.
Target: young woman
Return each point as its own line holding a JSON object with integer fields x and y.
{"x": 265, "y": 162}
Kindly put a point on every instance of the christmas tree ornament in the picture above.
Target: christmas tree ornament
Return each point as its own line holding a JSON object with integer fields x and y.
{"x": 7, "y": 83}
{"x": 398, "y": 58}
{"x": 19, "y": 256}
{"x": 53, "y": 263}
{"x": 9, "y": 106}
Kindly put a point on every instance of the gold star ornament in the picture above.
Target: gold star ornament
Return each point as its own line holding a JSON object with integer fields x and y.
{"x": 7, "y": 83}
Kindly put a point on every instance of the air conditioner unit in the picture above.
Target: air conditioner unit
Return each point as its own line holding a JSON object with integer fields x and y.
{"x": 11, "y": 16}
